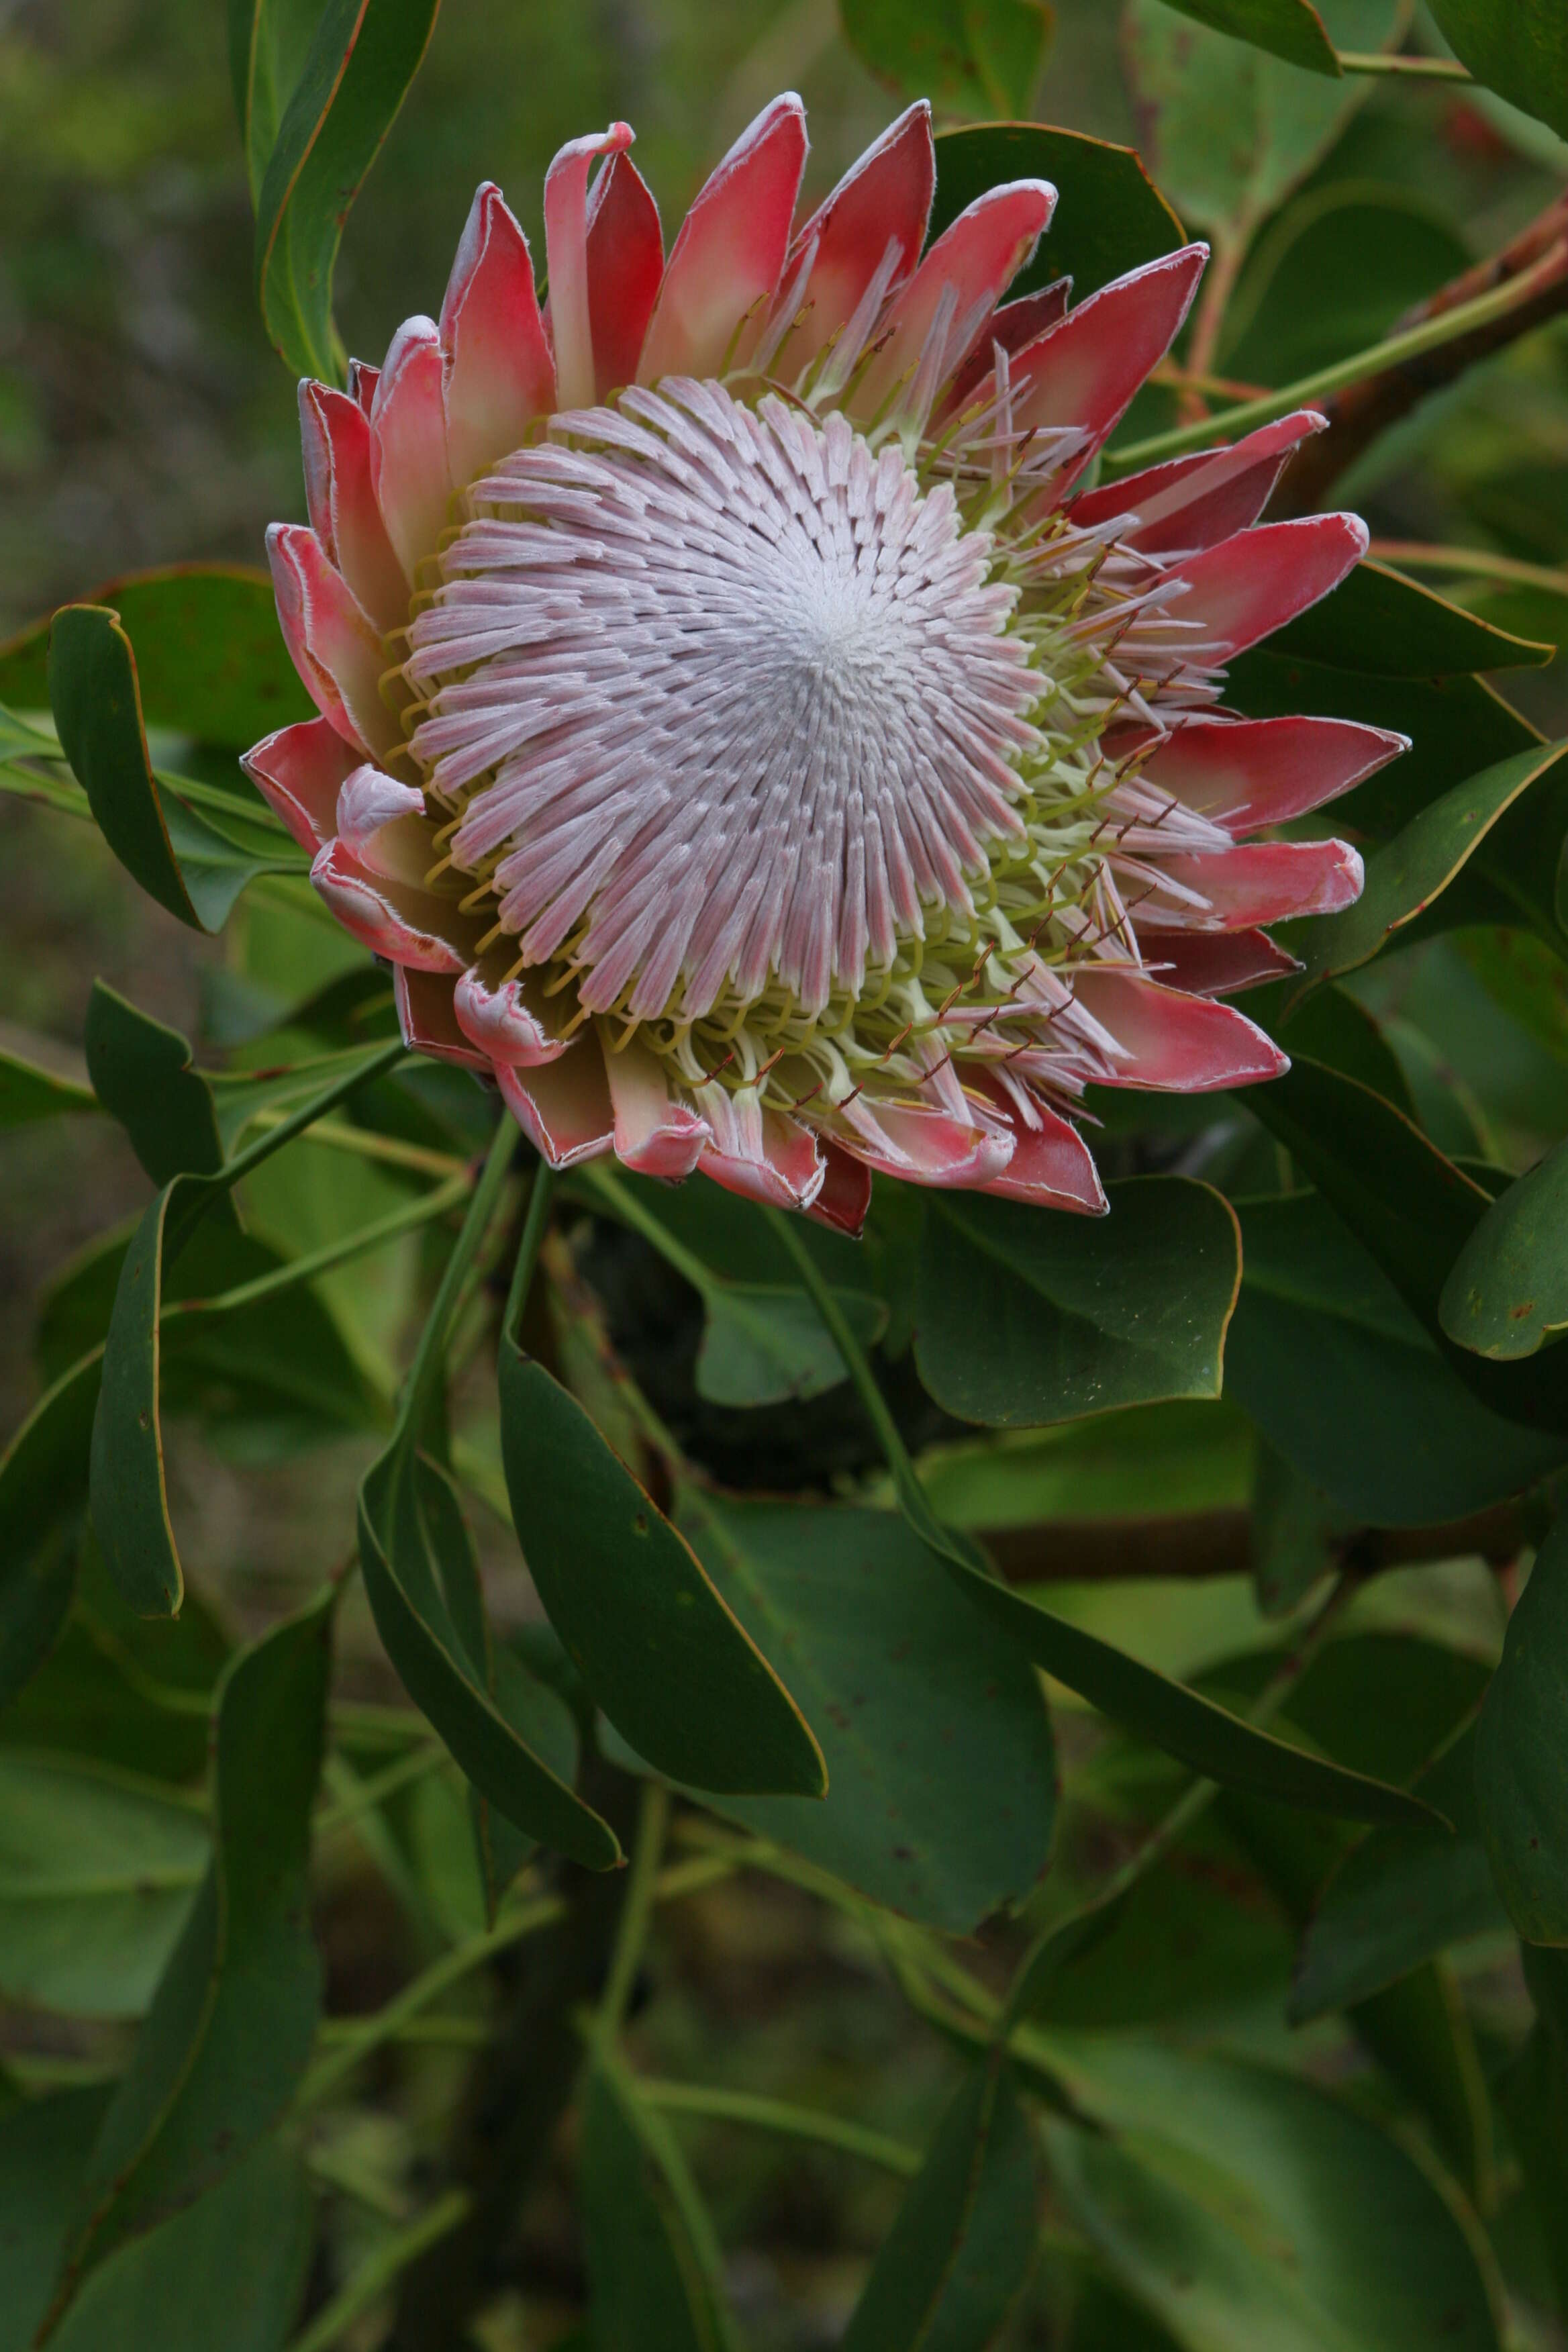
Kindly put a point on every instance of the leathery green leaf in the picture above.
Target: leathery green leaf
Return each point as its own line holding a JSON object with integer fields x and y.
{"x": 1521, "y": 1764}
{"x": 1110, "y": 218}
{"x": 658, "y": 1648}
{"x": 1246, "y": 2207}
{"x": 1507, "y": 1291}
{"x": 28, "y": 1092}
{"x": 1400, "y": 1897}
{"x": 1414, "y": 1209}
{"x": 1517, "y": 47}
{"x": 418, "y": 1614}
{"x": 940, "y": 1765}
{"x": 348, "y": 87}
{"x": 1378, "y": 621}
{"x": 143, "y": 1073}
{"x": 44, "y": 2143}
{"x": 1229, "y": 129}
{"x": 1182, "y": 1722}
{"x": 1409, "y": 873}
{"x": 1292, "y": 29}
{"x": 228, "y": 2270}
{"x": 653, "y": 2259}
{"x": 1346, "y": 1382}
{"x": 96, "y": 1877}
{"x": 179, "y": 858}
{"x": 128, "y": 1489}
{"x": 231, "y": 2024}
{"x": 1022, "y": 1317}
{"x": 43, "y": 1501}
{"x": 965, "y": 2242}
{"x": 210, "y": 658}
{"x": 976, "y": 57}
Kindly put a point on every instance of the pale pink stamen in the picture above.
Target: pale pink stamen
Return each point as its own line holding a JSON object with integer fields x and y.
{"x": 745, "y": 641}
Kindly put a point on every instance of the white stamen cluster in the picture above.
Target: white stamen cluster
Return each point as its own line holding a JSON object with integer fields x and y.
{"x": 741, "y": 719}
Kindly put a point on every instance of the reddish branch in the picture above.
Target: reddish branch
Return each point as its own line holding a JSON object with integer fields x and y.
{"x": 1363, "y": 411}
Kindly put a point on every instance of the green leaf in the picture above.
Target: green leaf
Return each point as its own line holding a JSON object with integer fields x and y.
{"x": 1378, "y": 622}
{"x": 143, "y": 1073}
{"x": 973, "y": 56}
{"x": 1412, "y": 1209}
{"x": 1182, "y": 1722}
{"x": 1026, "y": 1318}
{"x": 963, "y": 2244}
{"x": 271, "y": 1376}
{"x": 414, "y": 1618}
{"x": 940, "y": 1765}
{"x": 28, "y": 1093}
{"x": 1400, "y": 1898}
{"x": 1532, "y": 2093}
{"x": 350, "y": 84}
{"x": 1110, "y": 218}
{"x": 1345, "y": 1381}
{"x": 1150, "y": 1461}
{"x": 656, "y": 1644}
{"x": 229, "y": 2271}
{"x": 1333, "y": 274}
{"x": 1246, "y": 2207}
{"x": 43, "y": 1501}
{"x": 210, "y": 658}
{"x": 1457, "y": 726}
{"x": 96, "y": 1877}
{"x": 127, "y": 1490}
{"x": 1404, "y": 876}
{"x": 1507, "y": 1291}
{"x": 186, "y": 863}
{"x": 1331, "y": 1027}
{"x": 1521, "y": 1764}
{"x": 1292, "y": 29}
{"x": 122, "y": 1690}
{"x": 764, "y": 1344}
{"x": 653, "y": 2262}
{"x": 1517, "y": 47}
{"x": 44, "y": 2143}
{"x": 231, "y": 2024}
{"x": 539, "y": 1715}
{"x": 1228, "y": 130}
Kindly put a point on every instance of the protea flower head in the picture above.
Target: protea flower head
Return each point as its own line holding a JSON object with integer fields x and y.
{"x": 740, "y": 732}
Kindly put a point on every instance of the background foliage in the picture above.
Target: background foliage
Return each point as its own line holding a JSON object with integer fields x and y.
{"x": 1177, "y": 1958}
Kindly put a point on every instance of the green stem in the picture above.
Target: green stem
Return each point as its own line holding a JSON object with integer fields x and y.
{"x": 429, "y": 1355}
{"x": 861, "y": 1377}
{"x": 370, "y": 2032}
{"x": 233, "y": 1171}
{"x": 421, "y": 1211}
{"x": 361, "y": 1797}
{"x": 1446, "y": 327}
{"x": 631, "y": 1933}
{"x": 390, "y": 1150}
{"x": 911, "y": 1496}
{"x": 370, "y": 2281}
{"x": 1402, "y": 68}
{"x": 540, "y": 1199}
{"x": 360, "y": 2036}
{"x": 777, "y": 2115}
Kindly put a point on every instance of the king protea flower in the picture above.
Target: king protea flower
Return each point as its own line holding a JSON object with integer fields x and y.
{"x": 740, "y": 733}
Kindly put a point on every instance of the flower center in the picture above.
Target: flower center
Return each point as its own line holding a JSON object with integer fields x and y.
{"x": 720, "y": 700}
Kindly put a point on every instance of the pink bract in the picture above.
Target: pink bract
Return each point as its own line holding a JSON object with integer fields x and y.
{"x": 746, "y": 741}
